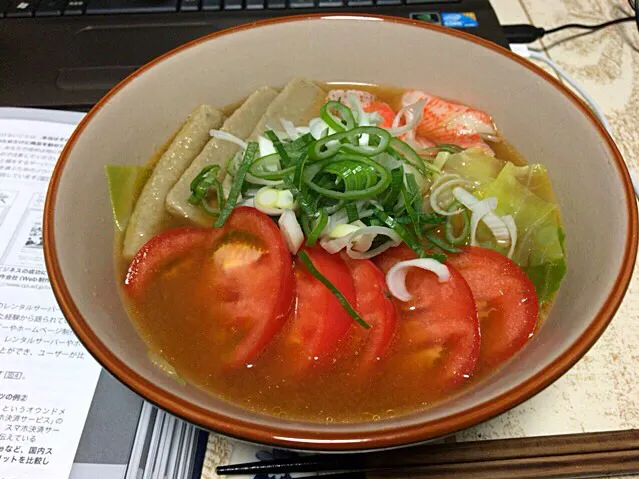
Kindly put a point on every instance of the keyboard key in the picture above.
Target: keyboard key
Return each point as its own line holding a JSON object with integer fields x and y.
{"x": 50, "y": 8}
{"x": 75, "y": 7}
{"x": 21, "y": 8}
{"x": 331, "y": 3}
{"x": 209, "y": 5}
{"x": 383, "y": 3}
{"x": 275, "y": 4}
{"x": 302, "y": 3}
{"x": 360, "y": 3}
{"x": 4, "y": 4}
{"x": 101, "y": 7}
{"x": 254, "y": 4}
{"x": 233, "y": 4}
{"x": 189, "y": 5}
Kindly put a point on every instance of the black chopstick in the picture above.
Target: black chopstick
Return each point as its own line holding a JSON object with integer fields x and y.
{"x": 494, "y": 451}
{"x": 314, "y": 463}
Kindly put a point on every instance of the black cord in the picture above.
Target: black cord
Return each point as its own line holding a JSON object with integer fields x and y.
{"x": 526, "y": 33}
{"x": 589, "y": 27}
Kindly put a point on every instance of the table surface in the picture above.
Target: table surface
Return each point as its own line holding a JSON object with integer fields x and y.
{"x": 601, "y": 392}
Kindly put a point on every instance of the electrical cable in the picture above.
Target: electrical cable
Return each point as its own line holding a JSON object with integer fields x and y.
{"x": 595, "y": 27}
{"x": 527, "y": 33}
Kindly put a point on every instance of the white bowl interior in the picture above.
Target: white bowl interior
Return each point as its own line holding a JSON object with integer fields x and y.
{"x": 534, "y": 115}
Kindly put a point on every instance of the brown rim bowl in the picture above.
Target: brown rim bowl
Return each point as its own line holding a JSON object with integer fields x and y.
{"x": 535, "y": 112}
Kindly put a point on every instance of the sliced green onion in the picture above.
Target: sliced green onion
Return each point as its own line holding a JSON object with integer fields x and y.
{"x": 359, "y": 177}
{"x": 413, "y": 187}
{"x": 279, "y": 147}
{"x": 220, "y": 201}
{"x": 408, "y": 238}
{"x": 345, "y": 121}
{"x": 260, "y": 168}
{"x": 403, "y": 233}
{"x": 299, "y": 170}
{"x": 411, "y": 212}
{"x": 437, "y": 241}
{"x": 445, "y": 147}
{"x": 407, "y": 154}
{"x": 268, "y": 167}
{"x": 303, "y": 256}
{"x": 462, "y": 238}
{"x": 317, "y": 228}
{"x": 236, "y": 186}
{"x": 424, "y": 219}
{"x": 449, "y": 148}
{"x": 351, "y": 211}
{"x": 300, "y": 144}
{"x": 392, "y": 194}
{"x": 335, "y": 207}
{"x": 201, "y": 184}
{"x": 321, "y": 150}
{"x": 308, "y": 211}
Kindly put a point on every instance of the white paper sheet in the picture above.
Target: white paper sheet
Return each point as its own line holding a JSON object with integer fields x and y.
{"x": 47, "y": 378}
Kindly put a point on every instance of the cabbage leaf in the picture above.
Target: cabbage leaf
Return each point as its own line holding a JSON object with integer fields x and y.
{"x": 525, "y": 193}
{"x": 125, "y": 185}
{"x": 474, "y": 165}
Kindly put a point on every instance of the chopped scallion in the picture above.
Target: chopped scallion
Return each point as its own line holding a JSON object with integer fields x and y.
{"x": 306, "y": 260}
{"x": 440, "y": 243}
{"x": 279, "y": 147}
{"x": 351, "y": 211}
{"x": 345, "y": 120}
{"x": 408, "y": 238}
{"x": 357, "y": 177}
{"x": 462, "y": 237}
{"x": 317, "y": 226}
{"x": 236, "y": 187}
{"x": 348, "y": 141}
{"x": 201, "y": 184}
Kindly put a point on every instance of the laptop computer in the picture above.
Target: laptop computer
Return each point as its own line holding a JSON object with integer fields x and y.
{"x": 68, "y": 53}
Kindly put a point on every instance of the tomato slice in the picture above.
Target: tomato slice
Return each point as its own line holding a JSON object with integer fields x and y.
{"x": 438, "y": 328}
{"x": 239, "y": 276}
{"x": 319, "y": 322}
{"x": 506, "y": 301}
{"x": 373, "y": 303}
{"x": 385, "y": 110}
{"x": 161, "y": 251}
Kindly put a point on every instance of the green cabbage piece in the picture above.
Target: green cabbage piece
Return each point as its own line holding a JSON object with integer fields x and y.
{"x": 474, "y": 165}
{"x": 125, "y": 185}
{"x": 525, "y": 193}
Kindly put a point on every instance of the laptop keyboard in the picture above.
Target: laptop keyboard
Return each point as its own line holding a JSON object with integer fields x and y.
{"x": 51, "y": 8}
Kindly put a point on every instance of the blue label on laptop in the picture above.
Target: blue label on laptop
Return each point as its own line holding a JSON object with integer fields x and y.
{"x": 459, "y": 20}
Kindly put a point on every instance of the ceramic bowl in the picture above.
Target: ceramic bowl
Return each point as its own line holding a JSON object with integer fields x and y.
{"x": 536, "y": 113}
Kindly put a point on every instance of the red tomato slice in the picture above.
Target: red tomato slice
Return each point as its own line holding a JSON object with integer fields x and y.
{"x": 320, "y": 321}
{"x": 161, "y": 251}
{"x": 506, "y": 301}
{"x": 376, "y": 308}
{"x": 240, "y": 276}
{"x": 438, "y": 327}
{"x": 265, "y": 287}
{"x": 385, "y": 110}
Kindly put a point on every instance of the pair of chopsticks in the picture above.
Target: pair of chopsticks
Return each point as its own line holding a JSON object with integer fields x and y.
{"x": 570, "y": 455}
